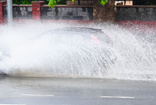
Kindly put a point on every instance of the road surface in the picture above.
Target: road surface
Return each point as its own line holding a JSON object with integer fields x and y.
{"x": 67, "y": 91}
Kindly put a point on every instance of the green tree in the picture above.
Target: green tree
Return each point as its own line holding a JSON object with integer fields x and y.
{"x": 54, "y": 2}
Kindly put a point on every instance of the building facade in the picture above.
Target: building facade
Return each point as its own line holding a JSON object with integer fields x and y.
{"x": 123, "y": 2}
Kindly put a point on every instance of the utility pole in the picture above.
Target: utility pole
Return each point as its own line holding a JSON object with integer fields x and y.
{"x": 9, "y": 12}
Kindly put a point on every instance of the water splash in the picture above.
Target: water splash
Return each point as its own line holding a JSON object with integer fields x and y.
{"x": 136, "y": 54}
{"x": 25, "y": 52}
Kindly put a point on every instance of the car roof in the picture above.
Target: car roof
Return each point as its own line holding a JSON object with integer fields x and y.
{"x": 82, "y": 29}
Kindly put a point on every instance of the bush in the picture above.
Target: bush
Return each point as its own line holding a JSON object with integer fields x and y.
{"x": 29, "y": 1}
{"x": 22, "y": 1}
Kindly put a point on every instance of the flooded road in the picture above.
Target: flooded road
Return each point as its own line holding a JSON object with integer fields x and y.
{"x": 75, "y": 91}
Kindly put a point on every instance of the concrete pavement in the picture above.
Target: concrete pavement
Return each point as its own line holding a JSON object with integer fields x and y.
{"x": 68, "y": 91}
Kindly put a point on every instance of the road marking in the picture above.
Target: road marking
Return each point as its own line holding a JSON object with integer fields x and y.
{"x": 12, "y": 104}
{"x": 38, "y": 95}
{"x": 123, "y": 97}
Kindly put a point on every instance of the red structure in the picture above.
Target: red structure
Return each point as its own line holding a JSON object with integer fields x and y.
{"x": 36, "y": 9}
{"x": 1, "y": 11}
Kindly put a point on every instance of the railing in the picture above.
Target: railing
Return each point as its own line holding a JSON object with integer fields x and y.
{"x": 62, "y": 2}
{"x": 41, "y": 12}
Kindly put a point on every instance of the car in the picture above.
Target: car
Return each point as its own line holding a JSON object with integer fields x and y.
{"x": 83, "y": 42}
{"x": 2, "y": 73}
{"x": 96, "y": 35}
{"x": 63, "y": 51}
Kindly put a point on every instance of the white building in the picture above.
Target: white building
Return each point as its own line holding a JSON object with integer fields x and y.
{"x": 123, "y": 2}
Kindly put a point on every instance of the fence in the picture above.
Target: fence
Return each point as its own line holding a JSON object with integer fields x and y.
{"x": 41, "y": 12}
{"x": 141, "y": 16}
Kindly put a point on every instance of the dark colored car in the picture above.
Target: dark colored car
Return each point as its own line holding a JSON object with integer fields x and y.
{"x": 91, "y": 41}
{"x": 75, "y": 49}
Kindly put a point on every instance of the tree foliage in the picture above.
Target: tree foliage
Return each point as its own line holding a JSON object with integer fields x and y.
{"x": 102, "y": 2}
{"x": 54, "y": 2}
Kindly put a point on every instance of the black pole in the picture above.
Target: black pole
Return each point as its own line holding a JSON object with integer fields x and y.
{"x": 78, "y": 2}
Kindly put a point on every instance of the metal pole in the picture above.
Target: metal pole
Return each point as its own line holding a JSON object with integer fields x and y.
{"x": 9, "y": 12}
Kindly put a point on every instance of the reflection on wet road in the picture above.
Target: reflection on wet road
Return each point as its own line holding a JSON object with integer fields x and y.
{"x": 70, "y": 91}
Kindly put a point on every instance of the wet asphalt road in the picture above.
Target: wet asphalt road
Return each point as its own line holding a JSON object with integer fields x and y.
{"x": 67, "y": 91}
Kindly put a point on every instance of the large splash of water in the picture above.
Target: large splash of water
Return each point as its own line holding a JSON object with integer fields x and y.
{"x": 25, "y": 52}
